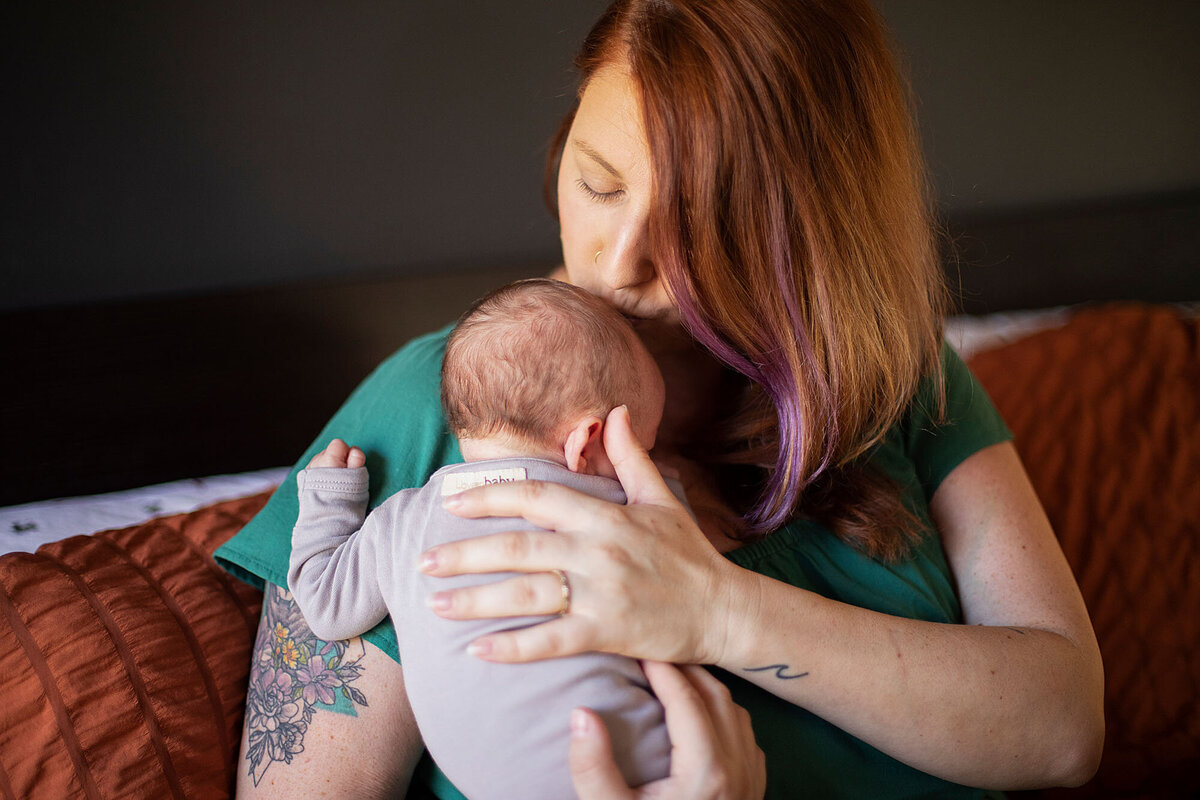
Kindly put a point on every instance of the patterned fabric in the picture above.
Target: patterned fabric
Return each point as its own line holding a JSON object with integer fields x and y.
{"x": 124, "y": 658}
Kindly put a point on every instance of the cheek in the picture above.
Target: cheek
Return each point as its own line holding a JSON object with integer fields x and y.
{"x": 580, "y": 238}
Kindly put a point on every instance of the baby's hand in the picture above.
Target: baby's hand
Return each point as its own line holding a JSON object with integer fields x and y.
{"x": 339, "y": 454}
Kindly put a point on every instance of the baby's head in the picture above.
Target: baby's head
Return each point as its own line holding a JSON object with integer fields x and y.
{"x": 534, "y": 368}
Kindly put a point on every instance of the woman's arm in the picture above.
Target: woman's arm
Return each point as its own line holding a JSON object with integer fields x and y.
{"x": 1011, "y": 700}
{"x": 295, "y": 744}
{"x": 1014, "y": 701}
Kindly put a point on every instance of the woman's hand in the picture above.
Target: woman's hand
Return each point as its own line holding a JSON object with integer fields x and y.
{"x": 713, "y": 752}
{"x": 644, "y": 580}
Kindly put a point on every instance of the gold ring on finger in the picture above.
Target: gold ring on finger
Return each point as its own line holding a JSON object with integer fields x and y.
{"x": 564, "y": 607}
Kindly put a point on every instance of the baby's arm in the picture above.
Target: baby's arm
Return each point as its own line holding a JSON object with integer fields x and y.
{"x": 332, "y": 573}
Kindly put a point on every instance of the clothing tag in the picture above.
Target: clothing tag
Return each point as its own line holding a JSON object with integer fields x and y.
{"x": 457, "y": 482}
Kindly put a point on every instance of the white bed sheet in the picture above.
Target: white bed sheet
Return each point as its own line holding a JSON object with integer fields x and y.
{"x": 26, "y": 527}
{"x": 970, "y": 335}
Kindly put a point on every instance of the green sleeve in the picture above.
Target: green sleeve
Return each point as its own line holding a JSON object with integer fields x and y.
{"x": 395, "y": 416}
{"x": 936, "y": 442}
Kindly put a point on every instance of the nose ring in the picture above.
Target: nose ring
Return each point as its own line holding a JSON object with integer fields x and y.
{"x": 596, "y": 260}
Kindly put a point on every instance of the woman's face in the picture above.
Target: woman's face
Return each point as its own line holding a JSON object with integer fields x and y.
{"x": 604, "y": 186}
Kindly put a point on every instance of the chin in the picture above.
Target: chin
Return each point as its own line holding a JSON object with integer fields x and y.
{"x": 661, "y": 320}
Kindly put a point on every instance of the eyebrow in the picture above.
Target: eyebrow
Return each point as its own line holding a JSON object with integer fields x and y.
{"x": 592, "y": 153}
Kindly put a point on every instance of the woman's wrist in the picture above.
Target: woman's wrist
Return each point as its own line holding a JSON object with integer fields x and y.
{"x": 734, "y": 623}
{"x": 760, "y": 615}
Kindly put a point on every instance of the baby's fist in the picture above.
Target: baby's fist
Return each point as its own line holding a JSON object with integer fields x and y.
{"x": 338, "y": 454}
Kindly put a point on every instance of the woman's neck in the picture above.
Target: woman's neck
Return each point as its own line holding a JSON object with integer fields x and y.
{"x": 701, "y": 394}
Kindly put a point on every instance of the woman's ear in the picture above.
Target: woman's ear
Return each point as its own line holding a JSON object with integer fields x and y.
{"x": 584, "y": 448}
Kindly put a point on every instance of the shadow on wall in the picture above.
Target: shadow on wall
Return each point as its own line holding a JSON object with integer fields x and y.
{"x": 112, "y": 396}
{"x": 1145, "y": 249}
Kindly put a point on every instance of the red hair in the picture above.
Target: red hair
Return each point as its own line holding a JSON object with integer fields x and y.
{"x": 792, "y": 224}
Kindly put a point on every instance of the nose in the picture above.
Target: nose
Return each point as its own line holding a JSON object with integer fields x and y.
{"x": 626, "y": 263}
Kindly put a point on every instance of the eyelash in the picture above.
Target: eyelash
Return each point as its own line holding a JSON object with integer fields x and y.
{"x": 599, "y": 197}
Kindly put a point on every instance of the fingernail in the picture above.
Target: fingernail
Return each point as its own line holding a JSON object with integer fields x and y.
{"x": 439, "y": 601}
{"x": 480, "y": 648}
{"x": 452, "y": 501}
{"x": 428, "y": 561}
{"x": 580, "y": 722}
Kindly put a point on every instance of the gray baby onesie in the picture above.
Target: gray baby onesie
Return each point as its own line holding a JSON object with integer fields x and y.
{"x": 497, "y": 730}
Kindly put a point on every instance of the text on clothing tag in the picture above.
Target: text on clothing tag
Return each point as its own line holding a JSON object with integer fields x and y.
{"x": 457, "y": 482}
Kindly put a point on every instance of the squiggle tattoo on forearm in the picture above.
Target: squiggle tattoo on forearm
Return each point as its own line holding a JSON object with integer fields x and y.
{"x": 780, "y": 671}
{"x": 293, "y": 674}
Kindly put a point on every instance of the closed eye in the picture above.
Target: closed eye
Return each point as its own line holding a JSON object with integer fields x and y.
{"x": 599, "y": 197}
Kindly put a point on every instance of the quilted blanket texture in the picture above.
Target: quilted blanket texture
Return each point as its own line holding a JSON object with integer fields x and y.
{"x": 124, "y": 658}
{"x": 1106, "y": 415}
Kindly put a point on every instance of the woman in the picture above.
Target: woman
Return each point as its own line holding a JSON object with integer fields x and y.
{"x": 869, "y": 566}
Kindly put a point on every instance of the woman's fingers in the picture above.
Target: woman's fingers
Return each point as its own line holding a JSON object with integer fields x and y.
{"x": 512, "y": 551}
{"x": 545, "y": 504}
{"x": 688, "y": 721}
{"x": 535, "y": 594}
{"x": 564, "y": 636}
{"x": 725, "y": 714}
{"x": 553, "y": 506}
{"x": 734, "y": 749}
{"x": 707, "y": 763}
{"x": 642, "y": 575}
{"x": 731, "y": 723}
{"x": 639, "y": 477}
{"x": 713, "y": 752}
{"x": 593, "y": 770}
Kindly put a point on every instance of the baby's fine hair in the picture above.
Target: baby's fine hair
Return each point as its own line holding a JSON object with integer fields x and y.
{"x": 532, "y": 356}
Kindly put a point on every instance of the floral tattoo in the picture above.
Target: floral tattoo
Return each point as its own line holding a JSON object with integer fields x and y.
{"x": 293, "y": 674}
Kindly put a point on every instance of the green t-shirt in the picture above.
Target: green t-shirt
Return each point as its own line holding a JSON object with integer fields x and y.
{"x": 395, "y": 416}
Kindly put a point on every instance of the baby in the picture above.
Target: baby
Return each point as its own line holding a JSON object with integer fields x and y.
{"x": 529, "y": 376}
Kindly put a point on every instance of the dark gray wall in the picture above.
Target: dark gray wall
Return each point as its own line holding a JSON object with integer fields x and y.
{"x": 162, "y": 148}
{"x": 175, "y": 147}
{"x": 1038, "y": 102}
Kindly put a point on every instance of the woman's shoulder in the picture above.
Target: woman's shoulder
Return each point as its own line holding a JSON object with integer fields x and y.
{"x": 949, "y": 419}
{"x": 419, "y": 358}
{"x": 396, "y": 414}
{"x": 404, "y": 388}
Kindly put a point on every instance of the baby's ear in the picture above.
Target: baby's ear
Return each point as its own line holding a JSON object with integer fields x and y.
{"x": 579, "y": 450}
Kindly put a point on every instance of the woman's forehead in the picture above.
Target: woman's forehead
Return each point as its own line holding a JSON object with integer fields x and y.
{"x": 608, "y": 125}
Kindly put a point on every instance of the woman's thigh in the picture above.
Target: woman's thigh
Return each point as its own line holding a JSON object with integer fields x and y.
{"x": 322, "y": 715}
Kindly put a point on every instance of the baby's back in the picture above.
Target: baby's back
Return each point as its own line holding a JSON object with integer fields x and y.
{"x": 502, "y": 730}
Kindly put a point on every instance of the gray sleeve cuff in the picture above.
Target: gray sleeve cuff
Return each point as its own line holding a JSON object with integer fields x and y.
{"x": 333, "y": 479}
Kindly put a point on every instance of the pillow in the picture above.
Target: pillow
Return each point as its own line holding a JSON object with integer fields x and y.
{"x": 124, "y": 658}
{"x": 1106, "y": 415}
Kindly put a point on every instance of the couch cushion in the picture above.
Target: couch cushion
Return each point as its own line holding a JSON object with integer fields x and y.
{"x": 1106, "y": 415}
{"x": 124, "y": 658}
